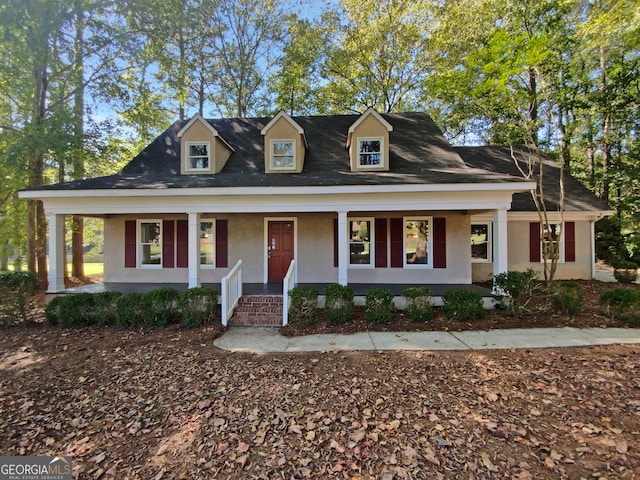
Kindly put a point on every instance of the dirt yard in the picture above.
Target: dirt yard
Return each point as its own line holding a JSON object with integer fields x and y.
{"x": 166, "y": 404}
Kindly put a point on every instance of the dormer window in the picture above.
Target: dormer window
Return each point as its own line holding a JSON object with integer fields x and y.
{"x": 283, "y": 154}
{"x": 370, "y": 151}
{"x": 198, "y": 156}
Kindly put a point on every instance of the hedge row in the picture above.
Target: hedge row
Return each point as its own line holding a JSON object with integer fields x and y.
{"x": 157, "y": 308}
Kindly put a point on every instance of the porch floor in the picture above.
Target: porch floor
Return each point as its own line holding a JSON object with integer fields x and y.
{"x": 273, "y": 288}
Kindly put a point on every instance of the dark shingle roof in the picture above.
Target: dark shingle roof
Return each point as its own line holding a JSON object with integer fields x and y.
{"x": 419, "y": 154}
{"x": 499, "y": 160}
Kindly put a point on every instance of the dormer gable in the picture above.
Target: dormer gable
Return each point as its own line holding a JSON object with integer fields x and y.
{"x": 368, "y": 142}
{"x": 204, "y": 150}
{"x": 285, "y": 145}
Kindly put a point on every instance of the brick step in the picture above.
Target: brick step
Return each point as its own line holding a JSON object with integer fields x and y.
{"x": 261, "y": 320}
{"x": 259, "y": 300}
{"x": 259, "y": 310}
{"x": 262, "y": 310}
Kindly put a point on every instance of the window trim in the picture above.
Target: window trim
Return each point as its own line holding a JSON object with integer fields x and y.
{"x": 272, "y": 166}
{"x": 489, "y": 258}
{"x": 139, "y": 244}
{"x": 429, "y": 264}
{"x": 383, "y": 156}
{"x": 212, "y": 221}
{"x": 188, "y": 167}
{"x": 371, "y": 242}
{"x": 560, "y": 241}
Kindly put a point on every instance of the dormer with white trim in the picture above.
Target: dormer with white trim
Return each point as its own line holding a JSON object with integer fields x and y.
{"x": 368, "y": 142}
{"x": 204, "y": 151}
{"x": 285, "y": 145}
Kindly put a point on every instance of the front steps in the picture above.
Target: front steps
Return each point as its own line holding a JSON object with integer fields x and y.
{"x": 258, "y": 310}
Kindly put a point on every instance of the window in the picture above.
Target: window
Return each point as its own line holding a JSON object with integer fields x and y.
{"x": 207, "y": 243}
{"x": 370, "y": 152}
{"x": 283, "y": 156}
{"x": 551, "y": 242}
{"x": 360, "y": 244}
{"x": 481, "y": 242}
{"x": 417, "y": 242}
{"x": 150, "y": 243}
{"x": 198, "y": 156}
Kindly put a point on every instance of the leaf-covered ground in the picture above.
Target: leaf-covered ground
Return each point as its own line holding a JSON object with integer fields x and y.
{"x": 167, "y": 404}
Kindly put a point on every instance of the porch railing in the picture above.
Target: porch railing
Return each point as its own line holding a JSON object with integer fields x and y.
{"x": 231, "y": 286}
{"x": 287, "y": 284}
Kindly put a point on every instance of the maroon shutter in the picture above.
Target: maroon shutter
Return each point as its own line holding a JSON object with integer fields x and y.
{"x": 182, "y": 243}
{"x": 569, "y": 241}
{"x": 439, "y": 243}
{"x": 130, "y": 244}
{"x": 396, "y": 234}
{"x": 381, "y": 242}
{"x": 222, "y": 243}
{"x": 335, "y": 242}
{"x": 168, "y": 238}
{"x": 534, "y": 242}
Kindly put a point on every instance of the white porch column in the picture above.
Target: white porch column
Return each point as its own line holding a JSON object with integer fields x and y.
{"x": 500, "y": 242}
{"x": 343, "y": 247}
{"x": 194, "y": 250}
{"x": 56, "y": 258}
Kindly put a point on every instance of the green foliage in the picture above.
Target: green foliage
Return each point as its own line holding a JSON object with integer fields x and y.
{"x": 419, "y": 306}
{"x": 303, "y": 305}
{"x": 104, "y": 304}
{"x": 567, "y": 297}
{"x": 625, "y": 271}
{"x": 379, "y": 305}
{"x": 160, "y": 307}
{"x": 73, "y": 310}
{"x": 462, "y": 305}
{"x": 129, "y": 310}
{"x": 338, "y": 305}
{"x": 622, "y": 303}
{"x": 197, "y": 305}
{"x": 16, "y": 293}
{"x": 517, "y": 290}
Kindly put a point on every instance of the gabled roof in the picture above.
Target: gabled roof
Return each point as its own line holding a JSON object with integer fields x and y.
{"x": 418, "y": 155}
{"x": 498, "y": 159}
{"x": 199, "y": 118}
{"x": 369, "y": 112}
{"x": 292, "y": 122}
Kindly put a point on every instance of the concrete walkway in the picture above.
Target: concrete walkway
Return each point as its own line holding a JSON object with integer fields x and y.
{"x": 269, "y": 340}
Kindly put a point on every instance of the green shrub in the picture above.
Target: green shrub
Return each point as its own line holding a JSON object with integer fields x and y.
{"x": 379, "y": 305}
{"x": 567, "y": 297}
{"x": 516, "y": 290}
{"x": 129, "y": 311}
{"x": 303, "y": 305}
{"x": 338, "y": 305}
{"x": 104, "y": 304}
{"x": 625, "y": 271}
{"x": 461, "y": 304}
{"x": 622, "y": 304}
{"x": 75, "y": 310}
{"x": 197, "y": 305}
{"x": 16, "y": 293}
{"x": 53, "y": 310}
{"x": 160, "y": 307}
{"x": 419, "y": 306}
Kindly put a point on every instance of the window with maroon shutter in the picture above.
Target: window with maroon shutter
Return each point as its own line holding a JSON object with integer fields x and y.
{"x": 534, "y": 242}
{"x": 168, "y": 242}
{"x": 569, "y": 241}
{"x": 130, "y": 243}
{"x": 396, "y": 237}
{"x": 182, "y": 243}
{"x": 335, "y": 242}
{"x": 439, "y": 243}
{"x": 222, "y": 243}
{"x": 381, "y": 242}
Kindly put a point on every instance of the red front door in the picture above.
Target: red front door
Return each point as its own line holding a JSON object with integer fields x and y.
{"x": 280, "y": 249}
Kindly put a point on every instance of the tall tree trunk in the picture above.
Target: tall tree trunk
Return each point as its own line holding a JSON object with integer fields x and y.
{"x": 606, "y": 123}
{"x": 533, "y": 105}
{"x": 77, "y": 223}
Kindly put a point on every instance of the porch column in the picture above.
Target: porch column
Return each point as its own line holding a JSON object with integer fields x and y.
{"x": 500, "y": 242}
{"x": 194, "y": 250}
{"x": 343, "y": 246}
{"x": 56, "y": 257}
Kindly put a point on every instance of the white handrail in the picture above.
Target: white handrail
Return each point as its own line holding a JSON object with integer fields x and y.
{"x": 231, "y": 285}
{"x": 287, "y": 284}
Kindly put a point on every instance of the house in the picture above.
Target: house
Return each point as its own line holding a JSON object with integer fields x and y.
{"x": 354, "y": 199}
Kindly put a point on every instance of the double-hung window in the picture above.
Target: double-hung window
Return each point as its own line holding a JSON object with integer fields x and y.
{"x": 150, "y": 243}
{"x": 198, "y": 156}
{"x": 552, "y": 245}
{"x": 481, "y": 242}
{"x": 207, "y": 243}
{"x": 283, "y": 154}
{"x": 360, "y": 244}
{"x": 370, "y": 152}
{"x": 417, "y": 242}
